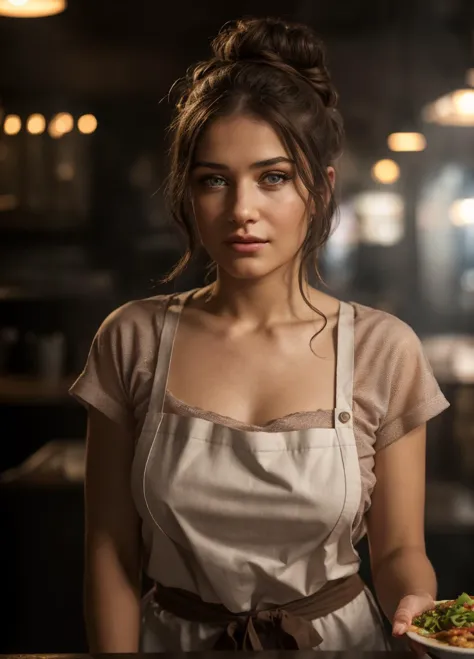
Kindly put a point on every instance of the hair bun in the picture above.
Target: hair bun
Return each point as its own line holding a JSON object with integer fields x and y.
{"x": 277, "y": 42}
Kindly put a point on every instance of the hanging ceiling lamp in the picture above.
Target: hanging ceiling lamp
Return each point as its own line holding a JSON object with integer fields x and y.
{"x": 406, "y": 142}
{"x": 455, "y": 108}
{"x": 31, "y": 8}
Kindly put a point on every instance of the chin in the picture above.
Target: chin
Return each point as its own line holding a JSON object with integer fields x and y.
{"x": 247, "y": 270}
{"x": 250, "y": 267}
{"x": 244, "y": 273}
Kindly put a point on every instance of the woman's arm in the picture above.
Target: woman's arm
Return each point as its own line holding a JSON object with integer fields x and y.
{"x": 395, "y": 524}
{"x": 112, "y": 544}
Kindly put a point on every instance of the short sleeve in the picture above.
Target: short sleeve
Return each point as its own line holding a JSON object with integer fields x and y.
{"x": 103, "y": 382}
{"x": 413, "y": 394}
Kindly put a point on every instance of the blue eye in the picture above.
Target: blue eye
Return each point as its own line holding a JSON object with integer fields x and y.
{"x": 276, "y": 178}
{"x": 214, "y": 181}
{"x": 273, "y": 179}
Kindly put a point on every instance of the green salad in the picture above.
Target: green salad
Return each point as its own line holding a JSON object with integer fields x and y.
{"x": 453, "y": 614}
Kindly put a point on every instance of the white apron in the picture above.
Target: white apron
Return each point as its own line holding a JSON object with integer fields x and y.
{"x": 250, "y": 519}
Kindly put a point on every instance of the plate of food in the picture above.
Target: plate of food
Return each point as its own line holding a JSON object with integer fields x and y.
{"x": 447, "y": 628}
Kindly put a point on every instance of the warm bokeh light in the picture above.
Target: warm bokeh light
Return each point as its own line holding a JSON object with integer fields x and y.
{"x": 12, "y": 124}
{"x": 442, "y": 108}
{"x": 463, "y": 101}
{"x": 31, "y": 8}
{"x": 87, "y": 124}
{"x": 381, "y": 217}
{"x": 36, "y": 124}
{"x": 53, "y": 130}
{"x": 386, "y": 171}
{"x": 455, "y": 109}
{"x": 461, "y": 212}
{"x": 61, "y": 124}
{"x": 64, "y": 122}
{"x": 406, "y": 142}
{"x": 65, "y": 171}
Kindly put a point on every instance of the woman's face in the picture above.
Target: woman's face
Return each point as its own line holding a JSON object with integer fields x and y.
{"x": 249, "y": 206}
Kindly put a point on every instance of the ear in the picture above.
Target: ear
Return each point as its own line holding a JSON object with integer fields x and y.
{"x": 331, "y": 172}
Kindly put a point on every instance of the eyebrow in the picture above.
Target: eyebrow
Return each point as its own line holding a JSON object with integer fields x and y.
{"x": 255, "y": 165}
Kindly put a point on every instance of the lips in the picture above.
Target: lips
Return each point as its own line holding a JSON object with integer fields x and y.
{"x": 244, "y": 247}
{"x": 246, "y": 240}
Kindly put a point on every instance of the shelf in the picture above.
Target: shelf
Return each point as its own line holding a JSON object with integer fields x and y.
{"x": 18, "y": 390}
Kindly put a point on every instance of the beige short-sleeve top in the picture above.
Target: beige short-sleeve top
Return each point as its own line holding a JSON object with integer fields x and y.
{"x": 395, "y": 390}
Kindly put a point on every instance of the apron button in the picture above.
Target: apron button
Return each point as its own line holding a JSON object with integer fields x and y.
{"x": 344, "y": 417}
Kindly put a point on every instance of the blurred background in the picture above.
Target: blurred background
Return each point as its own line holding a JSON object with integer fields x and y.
{"x": 83, "y": 228}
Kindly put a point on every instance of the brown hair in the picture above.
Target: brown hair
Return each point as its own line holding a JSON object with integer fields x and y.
{"x": 276, "y": 71}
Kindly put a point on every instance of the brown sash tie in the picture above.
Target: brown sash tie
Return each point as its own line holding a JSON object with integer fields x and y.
{"x": 287, "y": 627}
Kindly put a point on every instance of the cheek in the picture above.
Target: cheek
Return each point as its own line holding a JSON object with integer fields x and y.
{"x": 291, "y": 220}
{"x": 207, "y": 212}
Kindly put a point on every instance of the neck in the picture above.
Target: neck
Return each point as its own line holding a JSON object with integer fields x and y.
{"x": 262, "y": 302}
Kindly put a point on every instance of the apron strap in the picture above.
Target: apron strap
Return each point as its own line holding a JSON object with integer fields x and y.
{"x": 163, "y": 362}
{"x": 345, "y": 365}
{"x": 156, "y": 402}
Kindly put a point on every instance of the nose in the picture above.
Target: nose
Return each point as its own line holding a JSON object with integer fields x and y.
{"x": 243, "y": 208}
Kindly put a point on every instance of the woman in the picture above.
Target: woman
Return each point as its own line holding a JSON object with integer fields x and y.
{"x": 275, "y": 425}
